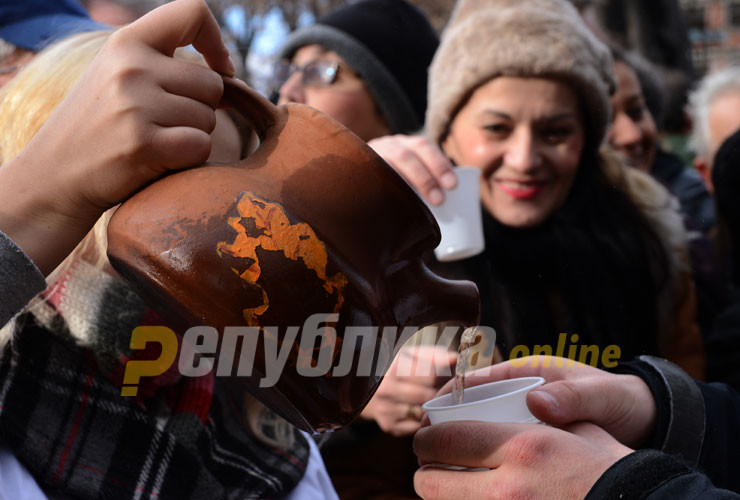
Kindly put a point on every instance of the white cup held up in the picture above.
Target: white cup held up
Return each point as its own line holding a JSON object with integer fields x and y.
{"x": 459, "y": 218}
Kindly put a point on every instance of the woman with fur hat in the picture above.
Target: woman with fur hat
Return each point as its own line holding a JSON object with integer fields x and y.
{"x": 575, "y": 242}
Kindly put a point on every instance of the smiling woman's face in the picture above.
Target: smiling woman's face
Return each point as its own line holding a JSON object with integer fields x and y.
{"x": 633, "y": 131}
{"x": 526, "y": 135}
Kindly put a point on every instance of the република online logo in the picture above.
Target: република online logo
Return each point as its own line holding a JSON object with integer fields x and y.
{"x": 320, "y": 351}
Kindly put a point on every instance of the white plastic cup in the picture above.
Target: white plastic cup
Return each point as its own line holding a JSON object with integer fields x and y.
{"x": 502, "y": 401}
{"x": 459, "y": 218}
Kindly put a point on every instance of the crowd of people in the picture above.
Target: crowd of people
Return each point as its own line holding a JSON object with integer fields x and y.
{"x": 592, "y": 227}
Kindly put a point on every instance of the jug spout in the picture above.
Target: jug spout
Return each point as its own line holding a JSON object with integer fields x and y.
{"x": 426, "y": 299}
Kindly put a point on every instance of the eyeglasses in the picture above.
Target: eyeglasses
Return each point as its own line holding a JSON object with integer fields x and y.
{"x": 313, "y": 74}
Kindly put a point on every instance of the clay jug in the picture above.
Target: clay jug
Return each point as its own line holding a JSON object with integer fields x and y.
{"x": 312, "y": 231}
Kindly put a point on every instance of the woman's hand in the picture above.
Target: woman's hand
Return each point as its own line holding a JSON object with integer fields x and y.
{"x": 134, "y": 114}
{"x": 413, "y": 378}
{"x": 137, "y": 112}
{"x": 420, "y": 162}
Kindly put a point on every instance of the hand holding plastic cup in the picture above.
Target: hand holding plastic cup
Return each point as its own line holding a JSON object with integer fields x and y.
{"x": 459, "y": 218}
{"x": 502, "y": 401}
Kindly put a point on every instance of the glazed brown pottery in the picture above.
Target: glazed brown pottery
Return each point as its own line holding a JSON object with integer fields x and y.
{"x": 312, "y": 222}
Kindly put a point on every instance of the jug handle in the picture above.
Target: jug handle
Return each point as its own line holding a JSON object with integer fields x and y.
{"x": 256, "y": 109}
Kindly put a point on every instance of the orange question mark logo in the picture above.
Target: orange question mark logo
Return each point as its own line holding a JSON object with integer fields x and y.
{"x": 136, "y": 369}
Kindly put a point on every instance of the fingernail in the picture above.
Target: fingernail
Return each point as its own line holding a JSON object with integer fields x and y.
{"x": 548, "y": 400}
{"x": 448, "y": 180}
{"x": 435, "y": 197}
{"x": 232, "y": 66}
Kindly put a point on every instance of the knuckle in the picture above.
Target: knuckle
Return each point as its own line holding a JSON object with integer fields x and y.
{"x": 201, "y": 148}
{"x": 445, "y": 439}
{"x": 426, "y": 184}
{"x": 126, "y": 79}
{"x": 514, "y": 489}
{"x": 215, "y": 87}
{"x": 117, "y": 39}
{"x": 418, "y": 141}
{"x": 571, "y": 394}
{"x": 406, "y": 155}
{"x": 528, "y": 448}
{"x": 210, "y": 120}
{"x": 427, "y": 484}
{"x": 198, "y": 6}
{"x": 396, "y": 431}
{"x": 203, "y": 6}
{"x": 383, "y": 424}
{"x": 141, "y": 139}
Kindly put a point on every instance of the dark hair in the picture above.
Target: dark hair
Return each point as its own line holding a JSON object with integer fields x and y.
{"x": 666, "y": 91}
{"x": 726, "y": 180}
{"x": 594, "y": 268}
{"x": 653, "y": 90}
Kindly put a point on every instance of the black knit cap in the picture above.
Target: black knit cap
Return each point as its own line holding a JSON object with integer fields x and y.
{"x": 390, "y": 44}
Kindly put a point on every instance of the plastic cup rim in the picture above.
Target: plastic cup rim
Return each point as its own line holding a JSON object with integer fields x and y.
{"x": 536, "y": 382}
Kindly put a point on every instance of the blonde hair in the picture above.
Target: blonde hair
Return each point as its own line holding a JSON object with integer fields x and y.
{"x": 34, "y": 93}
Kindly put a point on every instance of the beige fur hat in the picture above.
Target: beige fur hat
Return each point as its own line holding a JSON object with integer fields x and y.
{"x": 489, "y": 38}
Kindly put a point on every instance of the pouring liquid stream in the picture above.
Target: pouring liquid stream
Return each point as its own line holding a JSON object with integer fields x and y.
{"x": 463, "y": 359}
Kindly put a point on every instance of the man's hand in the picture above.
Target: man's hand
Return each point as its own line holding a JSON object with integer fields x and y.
{"x": 526, "y": 461}
{"x": 573, "y": 392}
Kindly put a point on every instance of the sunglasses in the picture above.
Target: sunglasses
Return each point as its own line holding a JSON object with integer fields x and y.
{"x": 313, "y": 74}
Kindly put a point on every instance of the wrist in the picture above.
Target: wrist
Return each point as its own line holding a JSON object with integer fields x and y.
{"x": 645, "y": 411}
{"x": 652, "y": 437}
{"x": 37, "y": 215}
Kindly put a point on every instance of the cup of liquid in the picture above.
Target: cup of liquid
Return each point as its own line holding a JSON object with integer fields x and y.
{"x": 459, "y": 218}
{"x": 502, "y": 401}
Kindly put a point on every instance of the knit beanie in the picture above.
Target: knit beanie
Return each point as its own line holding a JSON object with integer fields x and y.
{"x": 390, "y": 44}
{"x": 521, "y": 38}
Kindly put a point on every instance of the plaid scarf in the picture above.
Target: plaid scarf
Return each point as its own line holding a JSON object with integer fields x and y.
{"x": 62, "y": 415}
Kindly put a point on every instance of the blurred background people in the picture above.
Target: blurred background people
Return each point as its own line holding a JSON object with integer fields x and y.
{"x": 119, "y": 12}
{"x": 656, "y": 30}
{"x": 635, "y": 134}
{"x": 715, "y": 112}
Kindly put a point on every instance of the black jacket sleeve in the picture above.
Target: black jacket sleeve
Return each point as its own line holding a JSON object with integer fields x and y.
{"x": 653, "y": 475}
{"x": 720, "y": 454}
{"x": 19, "y": 277}
{"x": 699, "y": 441}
